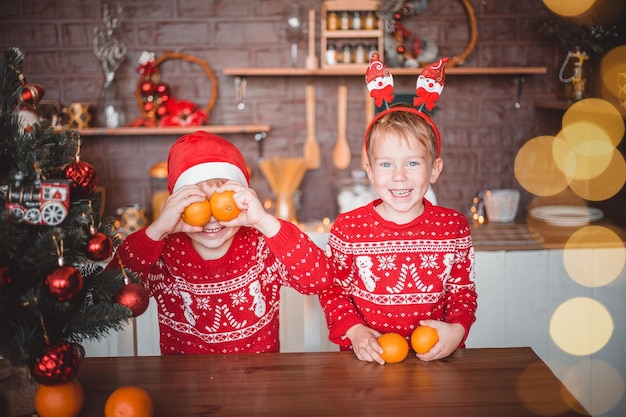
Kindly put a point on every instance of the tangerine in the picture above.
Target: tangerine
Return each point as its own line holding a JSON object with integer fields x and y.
{"x": 197, "y": 214}
{"x": 395, "y": 347}
{"x": 424, "y": 338}
{"x": 129, "y": 401}
{"x": 224, "y": 207}
{"x": 64, "y": 400}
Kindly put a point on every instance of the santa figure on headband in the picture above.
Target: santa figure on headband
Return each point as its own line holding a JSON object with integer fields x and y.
{"x": 379, "y": 81}
{"x": 429, "y": 85}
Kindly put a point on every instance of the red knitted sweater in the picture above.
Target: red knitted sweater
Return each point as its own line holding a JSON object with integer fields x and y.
{"x": 392, "y": 276}
{"x": 228, "y": 305}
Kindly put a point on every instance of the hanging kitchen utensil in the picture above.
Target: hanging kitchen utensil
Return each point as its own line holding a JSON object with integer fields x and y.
{"x": 341, "y": 151}
{"x": 311, "y": 59}
{"x": 369, "y": 116}
{"x": 311, "y": 146}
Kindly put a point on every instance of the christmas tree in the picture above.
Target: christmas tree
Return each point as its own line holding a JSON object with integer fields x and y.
{"x": 54, "y": 293}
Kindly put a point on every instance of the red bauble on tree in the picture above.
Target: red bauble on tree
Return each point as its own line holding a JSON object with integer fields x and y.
{"x": 58, "y": 364}
{"x": 5, "y": 276}
{"x": 133, "y": 296}
{"x": 64, "y": 283}
{"x": 99, "y": 247}
{"x": 83, "y": 175}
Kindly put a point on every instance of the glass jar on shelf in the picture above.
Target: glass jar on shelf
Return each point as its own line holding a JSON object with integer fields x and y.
{"x": 369, "y": 21}
{"x": 347, "y": 54}
{"x": 344, "y": 21}
{"x": 355, "y": 191}
{"x": 356, "y": 20}
{"x": 360, "y": 56}
{"x": 332, "y": 20}
{"x": 331, "y": 54}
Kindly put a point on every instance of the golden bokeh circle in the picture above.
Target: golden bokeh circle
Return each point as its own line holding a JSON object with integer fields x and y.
{"x": 581, "y": 326}
{"x": 536, "y": 170}
{"x": 603, "y": 121}
{"x": 605, "y": 185}
{"x": 598, "y": 398}
{"x": 569, "y": 8}
{"x": 612, "y": 64}
{"x": 590, "y": 267}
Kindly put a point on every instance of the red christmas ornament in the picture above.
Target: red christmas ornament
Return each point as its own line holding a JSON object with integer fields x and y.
{"x": 5, "y": 277}
{"x": 99, "y": 247}
{"x": 83, "y": 175}
{"x": 58, "y": 364}
{"x": 161, "y": 110}
{"x": 162, "y": 89}
{"x": 133, "y": 296}
{"x": 146, "y": 88}
{"x": 32, "y": 94}
{"x": 64, "y": 283}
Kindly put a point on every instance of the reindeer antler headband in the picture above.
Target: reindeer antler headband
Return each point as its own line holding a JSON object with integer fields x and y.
{"x": 427, "y": 91}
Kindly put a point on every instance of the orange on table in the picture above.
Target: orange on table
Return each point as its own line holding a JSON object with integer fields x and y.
{"x": 395, "y": 347}
{"x": 197, "y": 214}
{"x": 129, "y": 401}
{"x": 64, "y": 400}
{"x": 424, "y": 338}
{"x": 223, "y": 206}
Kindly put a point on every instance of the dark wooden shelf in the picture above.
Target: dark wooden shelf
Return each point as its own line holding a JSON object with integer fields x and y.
{"x": 359, "y": 70}
{"x": 140, "y": 131}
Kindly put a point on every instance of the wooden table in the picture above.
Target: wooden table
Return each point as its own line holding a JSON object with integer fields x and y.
{"x": 472, "y": 382}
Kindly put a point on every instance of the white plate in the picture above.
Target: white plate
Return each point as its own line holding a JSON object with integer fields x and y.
{"x": 567, "y": 215}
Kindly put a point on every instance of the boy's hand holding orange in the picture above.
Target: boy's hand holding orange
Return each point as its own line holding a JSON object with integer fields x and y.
{"x": 222, "y": 206}
{"x": 424, "y": 338}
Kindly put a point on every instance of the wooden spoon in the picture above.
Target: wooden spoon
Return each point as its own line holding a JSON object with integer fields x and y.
{"x": 311, "y": 146}
{"x": 341, "y": 151}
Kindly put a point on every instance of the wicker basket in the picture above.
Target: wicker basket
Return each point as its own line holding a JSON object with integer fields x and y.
{"x": 185, "y": 57}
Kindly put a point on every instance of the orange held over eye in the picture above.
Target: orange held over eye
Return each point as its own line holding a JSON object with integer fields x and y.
{"x": 395, "y": 347}
{"x": 65, "y": 400}
{"x": 223, "y": 206}
{"x": 424, "y": 338}
{"x": 129, "y": 401}
{"x": 197, "y": 214}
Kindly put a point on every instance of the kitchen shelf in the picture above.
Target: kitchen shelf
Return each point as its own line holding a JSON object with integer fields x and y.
{"x": 359, "y": 70}
{"x": 142, "y": 131}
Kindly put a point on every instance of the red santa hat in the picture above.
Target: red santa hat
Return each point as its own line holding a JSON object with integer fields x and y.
{"x": 376, "y": 68}
{"x": 435, "y": 71}
{"x": 202, "y": 156}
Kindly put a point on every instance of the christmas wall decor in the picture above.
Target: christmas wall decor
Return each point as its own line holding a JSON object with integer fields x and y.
{"x": 403, "y": 48}
{"x": 156, "y": 102}
{"x": 53, "y": 293}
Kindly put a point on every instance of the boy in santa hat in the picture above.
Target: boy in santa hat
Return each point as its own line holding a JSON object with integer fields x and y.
{"x": 217, "y": 286}
{"x": 401, "y": 261}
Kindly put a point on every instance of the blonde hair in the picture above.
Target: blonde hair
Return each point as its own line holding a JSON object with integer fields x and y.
{"x": 407, "y": 125}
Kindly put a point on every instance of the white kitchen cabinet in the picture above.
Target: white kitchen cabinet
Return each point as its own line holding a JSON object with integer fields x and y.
{"x": 518, "y": 294}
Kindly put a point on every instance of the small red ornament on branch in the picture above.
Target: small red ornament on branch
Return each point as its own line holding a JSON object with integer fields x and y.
{"x": 82, "y": 174}
{"x": 132, "y": 295}
{"x": 58, "y": 363}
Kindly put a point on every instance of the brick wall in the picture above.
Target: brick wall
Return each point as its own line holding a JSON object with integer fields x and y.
{"x": 480, "y": 126}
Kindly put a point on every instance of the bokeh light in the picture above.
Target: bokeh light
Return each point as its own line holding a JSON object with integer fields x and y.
{"x": 528, "y": 391}
{"x": 581, "y": 326}
{"x": 605, "y": 185}
{"x": 604, "y": 392}
{"x": 569, "y": 8}
{"x": 599, "y": 115}
{"x": 594, "y": 268}
{"x": 536, "y": 170}
{"x": 613, "y": 64}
